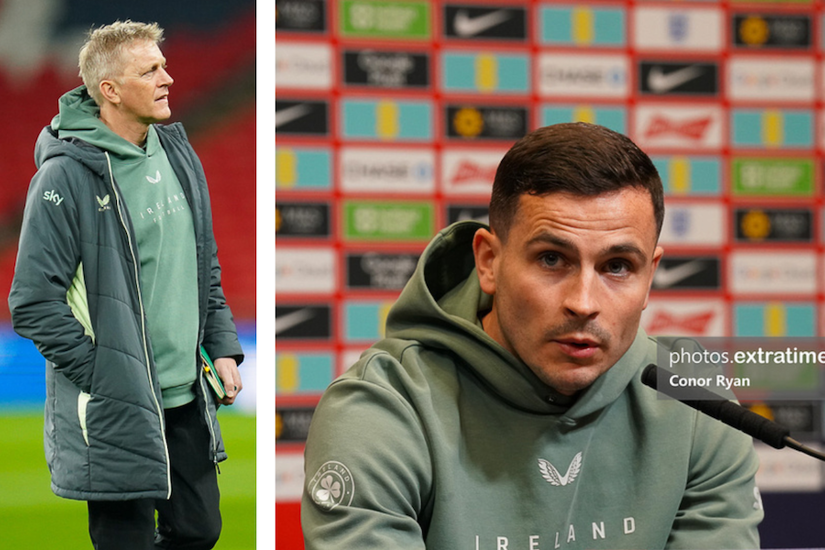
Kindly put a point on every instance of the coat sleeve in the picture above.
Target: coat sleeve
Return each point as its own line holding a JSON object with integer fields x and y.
{"x": 721, "y": 506}
{"x": 48, "y": 259}
{"x": 368, "y": 471}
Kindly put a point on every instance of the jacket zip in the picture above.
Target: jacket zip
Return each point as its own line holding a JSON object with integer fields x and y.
{"x": 143, "y": 328}
{"x": 209, "y": 420}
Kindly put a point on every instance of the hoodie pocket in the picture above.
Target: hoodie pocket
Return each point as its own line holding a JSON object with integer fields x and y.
{"x": 82, "y": 401}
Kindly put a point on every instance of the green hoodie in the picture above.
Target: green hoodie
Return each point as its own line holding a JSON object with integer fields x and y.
{"x": 165, "y": 238}
{"x": 439, "y": 438}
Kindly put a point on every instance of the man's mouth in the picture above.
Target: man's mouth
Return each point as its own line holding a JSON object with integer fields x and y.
{"x": 579, "y": 348}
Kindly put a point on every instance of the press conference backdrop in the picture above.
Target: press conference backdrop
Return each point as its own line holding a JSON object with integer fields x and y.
{"x": 391, "y": 118}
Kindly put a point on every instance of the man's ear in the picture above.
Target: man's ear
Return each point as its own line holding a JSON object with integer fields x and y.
{"x": 109, "y": 90}
{"x": 657, "y": 256}
{"x": 486, "y": 249}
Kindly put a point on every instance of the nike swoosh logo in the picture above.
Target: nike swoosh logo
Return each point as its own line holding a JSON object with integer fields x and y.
{"x": 666, "y": 278}
{"x": 659, "y": 82}
{"x": 466, "y": 26}
{"x": 290, "y": 320}
{"x": 285, "y": 116}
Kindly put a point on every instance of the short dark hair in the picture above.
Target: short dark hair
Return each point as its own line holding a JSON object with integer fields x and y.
{"x": 575, "y": 157}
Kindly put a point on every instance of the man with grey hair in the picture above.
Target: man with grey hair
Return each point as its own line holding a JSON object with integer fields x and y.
{"x": 118, "y": 284}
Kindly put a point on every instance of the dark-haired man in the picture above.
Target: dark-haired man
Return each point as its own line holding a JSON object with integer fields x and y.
{"x": 504, "y": 408}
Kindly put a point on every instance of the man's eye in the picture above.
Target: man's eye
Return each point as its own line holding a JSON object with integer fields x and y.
{"x": 550, "y": 259}
{"x": 617, "y": 267}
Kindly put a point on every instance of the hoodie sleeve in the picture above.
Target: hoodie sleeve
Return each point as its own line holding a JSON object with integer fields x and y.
{"x": 721, "y": 506}
{"x": 48, "y": 264}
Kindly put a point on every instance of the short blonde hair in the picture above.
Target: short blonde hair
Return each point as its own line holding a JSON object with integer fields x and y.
{"x": 101, "y": 55}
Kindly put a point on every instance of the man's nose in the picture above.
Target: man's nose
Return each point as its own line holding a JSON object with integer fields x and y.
{"x": 165, "y": 78}
{"x": 581, "y": 295}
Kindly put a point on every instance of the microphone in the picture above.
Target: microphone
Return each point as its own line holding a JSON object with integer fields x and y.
{"x": 732, "y": 414}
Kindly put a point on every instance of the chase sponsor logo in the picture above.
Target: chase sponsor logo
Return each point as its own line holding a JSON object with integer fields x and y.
{"x": 386, "y": 69}
{"x": 301, "y": 219}
{"x": 387, "y": 170}
{"x": 771, "y": 31}
{"x": 764, "y": 272}
{"x": 668, "y": 78}
{"x": 386, "y": 120}
{"x": 404, "y": 20}
{"x": 485, "y": 122}
{"x": 304, "y": 270}
{"x": 364, "y": 321}
{"x": 467, "y": 212}
{"x": 788, "y": 79}
{"x": 585, "y": 75}
{"x": 694, "y": 224}
{"x": 301, "y": 117}
{"x": 301, "y": 169}
{"x": 685, "y": 29}
{"x": 476, "y": 22}
{"x": 300, "y": 15}
{"x": 304, "y": 373}
{"x": 688, "y": 273}
{"x": 691, "y": 317}
{"x": 614, "y": 118}
{"x": 484, "y": 72}
{"x": 774, "y": 225}
{"x": 303, "y": 322}
{"x": 469, "y": 170}
{"x": 582, "y": 26}
{"x": 392, "y": 221}
{"x": 379, "y": 271}
{"x": 760, "y": 176}
{"x": 774, "y": 319}
{"x": 684, "y": 175}
{"x": 303, "y": 66}
{"x": 679, "y": 126}
{"x": 292, "y": 424}
{"x": 772, "y": 128}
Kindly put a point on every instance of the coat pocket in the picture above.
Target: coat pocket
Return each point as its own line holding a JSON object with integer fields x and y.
{"x": 82, "y": 401}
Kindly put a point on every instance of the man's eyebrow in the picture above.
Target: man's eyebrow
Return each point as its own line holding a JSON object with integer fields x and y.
{"x": 566, "y": 244}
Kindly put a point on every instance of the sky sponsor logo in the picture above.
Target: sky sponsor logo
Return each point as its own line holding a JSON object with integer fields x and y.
{"x": 485, "y": 72}
{"x": 766, "y": 79}
{"x": 694, "y": 317}
{"x": 583, "y": 75}
{"x": 386, "y": 69}
{"x": 582, "y": 26}
{"x": 469, "y": 171}
{"x": 771, "y": 273}
{"x": 379, "y": 271}
{"x": 301, "y": 65}
{"x": 678, "y": 126}
{"x": 760, "y": 176}
{"x": 304, "y": 270}
{"x": 394, "y": 20}
{"x": 387, "y": 170}
{"x": 694, "y": 224}
{"x": 678, "y": 29}
{"x": 474, "y": 22}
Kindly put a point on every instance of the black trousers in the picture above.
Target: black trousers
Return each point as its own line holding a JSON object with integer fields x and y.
{"x": 190, "y": 520}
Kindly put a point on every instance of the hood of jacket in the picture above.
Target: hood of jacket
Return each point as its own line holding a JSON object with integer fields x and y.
{"x": 440, "y": 308}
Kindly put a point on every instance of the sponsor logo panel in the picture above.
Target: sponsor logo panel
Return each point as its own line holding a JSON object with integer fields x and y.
{"x": 678, "y": 126}
{"x": 389, "y": 221}
{"x": 694, "y": 224}
{"x": 678, "y": 28}
{"x": 772, "y": 128}
{"x": 803, "y": 418}
{"x": 485, "y": 122}
{"x": 364, "y": 321}
{"x": 301, "y": 15}
{"x": 465, "y": 212}
{"x": 784, "y": 472}
{"x": 767, "y": 79}
{"x": 303, "y": 169}
{"x": 303, "y": 322}
{"x": 289, "y": 477}
{"x": 292, "y": 424}
{"x": 696, "y": 79}
{"x": 613, "y": 117}
{"x": 583, "y": 26}
{"x": 402, "y": 20}
{"x": 773, "y": 225}
{"x": 386, "y": 69}
{"x": 583, "y": 75}
{"x": 387, "y": 170}
{"x": 774, "y": 319}
{"x": 771, "y": 31}
{"x": 771, "y": 273}
{"x": 310, "y": 118}
{"x": 299, "y": 270}
{"x": 772, "y": 177}
{"x": 685, "y": 317}
{"x": 688, "y": 273}
{"x": 468, "y": 22}
{"x": 379, "y": 271}
{"x": 469, "y": 171}
{"x": 386, "y": 120}
{"x": 303, "y": 66}
{"x": 303, "y": 373}
{"x": 485, "y": 72}
{"x": 302, "y": 219}
{"x": 689, "y": 175}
